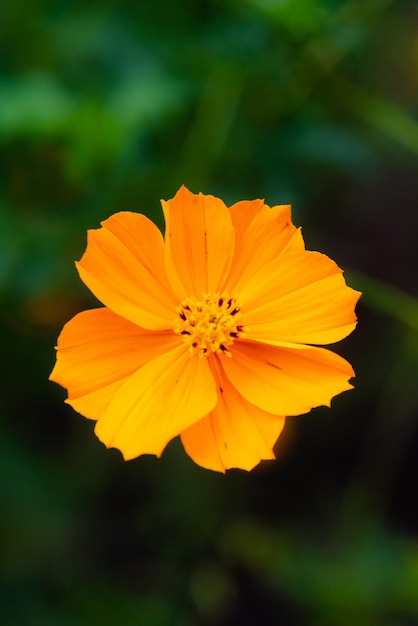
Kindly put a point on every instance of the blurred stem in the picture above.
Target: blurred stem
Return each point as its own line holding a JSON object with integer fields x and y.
{"x": 379, "y": 112}
{"x": 214, "y": 117}
{"x": 390, "y": 430}
{"x": 320, "y": 55}
{"x": 385, "y": 298}
{"x": 393, "y": 422}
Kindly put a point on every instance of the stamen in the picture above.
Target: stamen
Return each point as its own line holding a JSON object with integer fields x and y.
{"x": 209, "y": 324}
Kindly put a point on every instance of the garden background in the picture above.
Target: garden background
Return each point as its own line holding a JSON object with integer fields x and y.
{"x": 109, "y": 106}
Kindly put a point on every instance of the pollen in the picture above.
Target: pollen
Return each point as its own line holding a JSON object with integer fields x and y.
{"x": 210, "y": 324}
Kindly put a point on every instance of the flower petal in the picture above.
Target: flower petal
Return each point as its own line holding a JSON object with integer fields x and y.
{"x": 124, "y": 267}
{"x": 286, "y": 381}
{"x": 199, "y": 243}
{"x": 299, "y": 298}
{"x": 235, "y": 434}
{"x": 166, "y": 396}
{"x": 97, "y": 351}
{"x": 261, "y": 235}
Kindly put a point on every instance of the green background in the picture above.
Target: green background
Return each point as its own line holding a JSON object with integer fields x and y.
{"x": 109, "y": 106}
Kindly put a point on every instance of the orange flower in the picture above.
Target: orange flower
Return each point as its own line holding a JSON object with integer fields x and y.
{"x": 204, "y": 334}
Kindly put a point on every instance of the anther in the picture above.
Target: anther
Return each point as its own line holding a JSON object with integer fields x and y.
{"x": 207, "y": 324}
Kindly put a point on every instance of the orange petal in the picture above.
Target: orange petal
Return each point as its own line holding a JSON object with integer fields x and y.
{"x": 299, "y": 298}
{"x": 286, "y": 381}
{"x": 166, "y": 396}
{"x": 261, "y": 235}
{"x": 124, "y": 267}
{"x": 199, "y": 243}
{"x": 235, "y": 434}
{"x": 97, "y": 351}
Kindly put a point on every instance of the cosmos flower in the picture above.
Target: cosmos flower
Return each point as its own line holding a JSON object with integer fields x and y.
{"x": 209, "y": 333}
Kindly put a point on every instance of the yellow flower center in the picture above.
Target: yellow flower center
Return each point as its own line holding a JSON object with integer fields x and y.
{"x": 209, "y": 325}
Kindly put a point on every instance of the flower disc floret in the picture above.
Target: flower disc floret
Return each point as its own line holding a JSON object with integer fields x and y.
{"x": 209, "y": 324}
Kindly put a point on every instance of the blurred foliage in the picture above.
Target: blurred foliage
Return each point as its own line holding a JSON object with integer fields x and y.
{"x": 110, "y": 106}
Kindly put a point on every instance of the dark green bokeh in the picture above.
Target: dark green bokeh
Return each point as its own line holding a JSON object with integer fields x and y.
{"x": 110, "y": 106}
